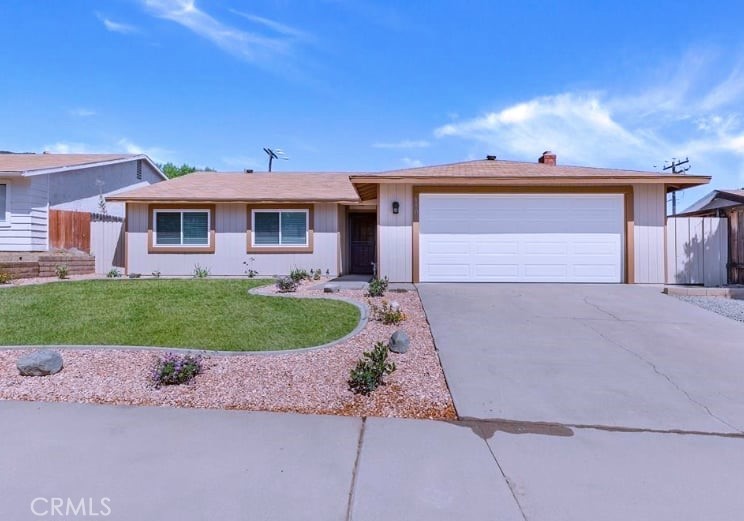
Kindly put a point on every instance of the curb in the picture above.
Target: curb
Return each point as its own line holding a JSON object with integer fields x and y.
{"x": 363, "y": 319}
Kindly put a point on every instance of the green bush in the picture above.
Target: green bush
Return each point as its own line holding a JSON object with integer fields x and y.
{"x": 4, "y": 277}
{"x": 286, "y": 285}
{"x": 62, "y": 271}
{"x": 298, "y": 275}
{"x": 113, "y": 273}
{"x": 387, "y": 313}
{"x": 175, "y": 369}
{"x": 200, "y": 272}
{"x": 370, "y": 371}
{"x": 316, "y": 274}
{"x": 377, "y": 287}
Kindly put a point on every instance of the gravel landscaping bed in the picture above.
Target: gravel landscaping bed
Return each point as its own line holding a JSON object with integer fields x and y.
{"x": 727, "y": 307}
{"x": 307, "y": 382}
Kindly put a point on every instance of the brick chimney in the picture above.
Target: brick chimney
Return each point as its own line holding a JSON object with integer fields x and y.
{"x": 548, "y": 158}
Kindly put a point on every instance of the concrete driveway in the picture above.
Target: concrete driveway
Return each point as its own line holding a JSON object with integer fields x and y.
{"x": 592, "y": 355}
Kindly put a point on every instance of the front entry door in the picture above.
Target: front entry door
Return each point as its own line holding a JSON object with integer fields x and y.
{"x": 363, "y": 235}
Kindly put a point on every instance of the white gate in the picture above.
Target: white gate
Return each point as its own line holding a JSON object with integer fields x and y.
{"x": 697, "y": 250}
{"x": 107, "y": 241}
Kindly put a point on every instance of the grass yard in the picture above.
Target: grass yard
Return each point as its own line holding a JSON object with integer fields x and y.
{"x": 205, "y": 314}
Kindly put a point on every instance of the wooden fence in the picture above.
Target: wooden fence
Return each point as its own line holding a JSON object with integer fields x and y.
{"x": 107, "y": 241}
{"x": 100, "y": 235}
{"x": 69, "y": 230}
{"x": 697, "y": 250}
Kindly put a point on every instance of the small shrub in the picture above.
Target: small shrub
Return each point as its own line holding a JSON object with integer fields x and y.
{"x": 62, "y": 271}
{"x": 387, "y": 313}
{"x": 156, "y": 274}
{"x": 200, "y": 272}
{"x": 176, "y": 369}
{"x": 286, "y": 285}
{"x": 298, "y": 275}
{"x": 316, "y": 274}
{"x": 4, "y": 277}
{"x": 377, "y": 287}
{"x": 370, "y": 371}
{"x": 250, "y": 271}
{"x": 113, "y": 273}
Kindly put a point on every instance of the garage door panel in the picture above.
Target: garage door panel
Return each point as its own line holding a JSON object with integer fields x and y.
{"x": 516, "y": 238}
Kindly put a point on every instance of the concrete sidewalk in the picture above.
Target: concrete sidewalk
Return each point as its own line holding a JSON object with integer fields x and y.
{"x": 183, "y": 464}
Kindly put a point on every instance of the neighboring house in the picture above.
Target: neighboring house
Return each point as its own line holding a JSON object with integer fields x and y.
{"x": 728, "y": 204}
{"x": 479, "y": 221}
{"x": 33, "y": 184}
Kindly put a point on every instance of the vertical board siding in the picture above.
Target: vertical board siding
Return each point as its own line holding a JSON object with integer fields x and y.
{"x": 649, "y": 209}
{"x": 230, "y": 257}
{"x": 395, "y": 233}
{"x": 736, "y": 245}
{"x": 107, "y": 243}
{"x": 27, "y": 230}
{"x": 697, "y": 250}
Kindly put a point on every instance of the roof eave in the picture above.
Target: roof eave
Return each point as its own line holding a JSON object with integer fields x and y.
{"x": 190, "y": 200}
{"x": 537, "y": 180}
{"x": 55, "y": 170}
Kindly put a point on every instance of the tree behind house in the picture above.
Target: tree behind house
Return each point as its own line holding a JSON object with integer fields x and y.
{"x": 171, "y": 170}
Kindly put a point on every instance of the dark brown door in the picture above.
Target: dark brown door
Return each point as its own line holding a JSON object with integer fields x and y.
{"x": 363, "y": 236}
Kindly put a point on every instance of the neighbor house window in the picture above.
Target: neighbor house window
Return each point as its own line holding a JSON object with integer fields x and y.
{"x": 182, "y": 227}
{"x": 280, "y": 228}
{"x": 4, "y": 205}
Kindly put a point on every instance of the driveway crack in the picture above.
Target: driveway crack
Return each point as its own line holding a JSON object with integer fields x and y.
{"x": 507, "y": 480}
{"x": 601, "y": 309}
{"x": 663, "y": 375}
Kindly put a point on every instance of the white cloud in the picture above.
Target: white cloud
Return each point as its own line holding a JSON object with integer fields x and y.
{"x": 116, "y": 27}
{"x": 406, "y": 143}
{"x": 273, "y": 25}
{"x": 697, "y": 115}
{"x": 246, "y": 45}
{"x": 81, "y": 112}
{"x": 122, "y": 145}
{"x": 67, "y": 147}
{"x": 411, "y": 163}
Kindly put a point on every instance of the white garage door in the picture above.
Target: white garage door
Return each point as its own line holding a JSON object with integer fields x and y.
{"x": 521, "y": 237}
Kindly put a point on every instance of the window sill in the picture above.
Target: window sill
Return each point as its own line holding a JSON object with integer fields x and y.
{"x": 280, "y": 249}
{"x": 180, "y": 249}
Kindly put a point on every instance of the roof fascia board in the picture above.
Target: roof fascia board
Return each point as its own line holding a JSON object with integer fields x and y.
{"x": 47, "y": 171}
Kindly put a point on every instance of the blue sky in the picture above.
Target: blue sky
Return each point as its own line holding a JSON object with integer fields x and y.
{"x": 364, "y": 85}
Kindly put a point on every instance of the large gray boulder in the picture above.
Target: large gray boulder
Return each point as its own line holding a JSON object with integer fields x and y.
{"x": 399, "y": 342}
{"x": 40, "y": 363}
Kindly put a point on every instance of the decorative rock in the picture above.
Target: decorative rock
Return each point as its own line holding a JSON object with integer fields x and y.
{"x": 399, "y": 342}
{"x": 40, "y": 363}
{"x": 395, "y": 305}
{"x": 331, "y": 288}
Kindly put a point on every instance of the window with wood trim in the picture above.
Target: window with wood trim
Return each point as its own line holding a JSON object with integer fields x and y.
{"x": 279, "y": 228}
{"x": 4, "y": 203}
{"x": 179, "y": 228}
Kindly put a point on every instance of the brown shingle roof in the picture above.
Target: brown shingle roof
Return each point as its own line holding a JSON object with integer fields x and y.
{"x": 519, "y": 170}
{"x": 20, "y": 163}
{"x": 239, "y": 187}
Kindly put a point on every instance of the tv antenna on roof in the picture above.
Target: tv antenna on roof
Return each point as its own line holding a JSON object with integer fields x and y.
{"x": 677, "y": 166}
{"x": 274, "y": 154}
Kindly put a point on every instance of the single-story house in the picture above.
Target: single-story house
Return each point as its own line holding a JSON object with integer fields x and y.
{"x": 728, "y": 204}
{"x": 481, "y": 221}
{"x": 33, "y": 184}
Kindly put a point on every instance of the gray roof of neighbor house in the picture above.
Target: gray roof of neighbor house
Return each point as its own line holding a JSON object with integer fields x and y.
{"x": 516, "y": 170}
{"x": 253, "y": 187}
{"x": 715, "y": 200}
{"x": 24, "y": 165}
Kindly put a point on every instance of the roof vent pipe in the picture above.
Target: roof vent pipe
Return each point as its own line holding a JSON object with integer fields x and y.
{"x": 491, "y": 158}
{"x": 548, "y": 158}
{"x": 248, "y": 170}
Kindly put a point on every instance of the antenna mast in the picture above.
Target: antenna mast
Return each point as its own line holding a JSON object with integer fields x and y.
{"x": 677, "y": 166}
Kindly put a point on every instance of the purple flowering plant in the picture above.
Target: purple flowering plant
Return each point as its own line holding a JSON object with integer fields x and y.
{"x": 175, "y": 369}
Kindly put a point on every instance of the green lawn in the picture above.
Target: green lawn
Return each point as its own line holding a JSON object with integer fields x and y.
{"x": 205, "y": 314}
